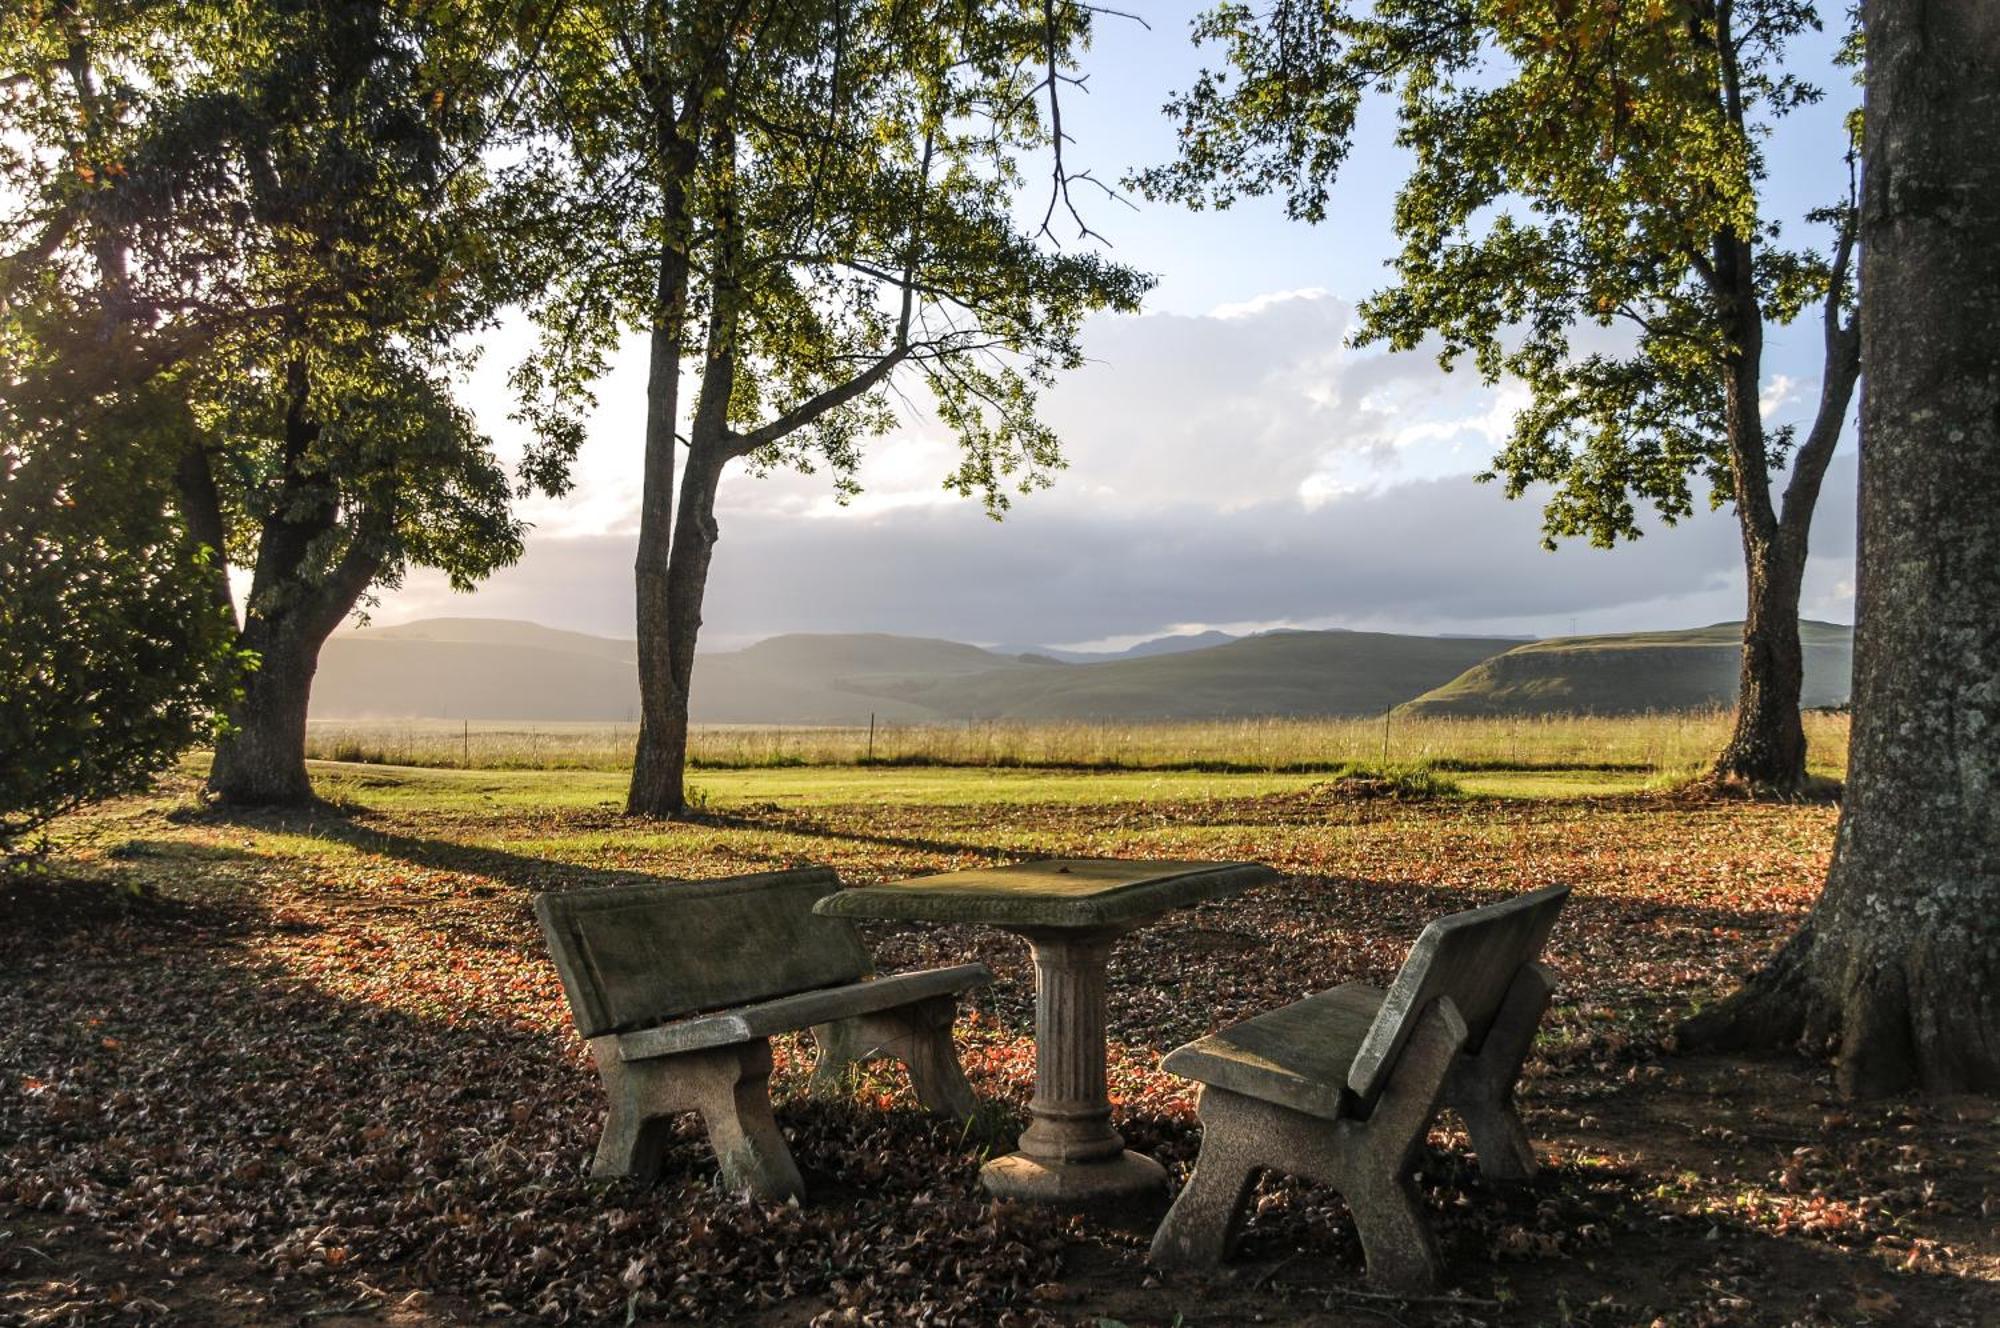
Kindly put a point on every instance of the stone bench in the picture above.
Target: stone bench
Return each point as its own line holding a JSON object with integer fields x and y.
{"x": 1340, "y": 1088}
{"x": 678, "y": 987}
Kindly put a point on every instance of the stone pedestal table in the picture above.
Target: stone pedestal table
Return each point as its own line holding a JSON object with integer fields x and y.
{"x": 1071, "y": 912}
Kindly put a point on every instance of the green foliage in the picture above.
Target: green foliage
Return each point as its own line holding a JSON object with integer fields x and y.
{"x": 1577, "y": 167}
{"x": 285, "y": 215}
{"x": 279, "y": 226}
{"x": 805, "y": 199}
{"x": 113, "y": 652}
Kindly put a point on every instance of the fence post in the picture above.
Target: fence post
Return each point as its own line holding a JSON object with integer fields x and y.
{"x": 871, "y": 737}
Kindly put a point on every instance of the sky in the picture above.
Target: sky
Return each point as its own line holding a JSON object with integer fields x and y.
{"x": 1232, "y": 463}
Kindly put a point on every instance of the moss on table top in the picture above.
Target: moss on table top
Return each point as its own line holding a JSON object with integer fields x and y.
{"x": 1056, "y": 892}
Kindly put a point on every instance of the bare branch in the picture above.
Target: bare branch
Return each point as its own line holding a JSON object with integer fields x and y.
{"x": 1059, "y": 174}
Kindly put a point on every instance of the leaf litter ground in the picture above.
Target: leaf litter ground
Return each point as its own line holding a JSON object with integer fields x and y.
{"x": 315, "y": 1068}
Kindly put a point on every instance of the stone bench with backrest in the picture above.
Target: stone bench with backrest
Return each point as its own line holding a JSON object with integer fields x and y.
{"x": 679, "y": 986}
{"x": 1340, "y": 1088}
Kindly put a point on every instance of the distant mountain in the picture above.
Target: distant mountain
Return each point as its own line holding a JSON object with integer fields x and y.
{"x": 1159, "y": 645}
{"x": 1633, "y": 673}
{"x": 834, "y": 678}
{"x": 477, "y": 668}
{"x": 487, "y": 668}
{"x": 1175, "y": 645}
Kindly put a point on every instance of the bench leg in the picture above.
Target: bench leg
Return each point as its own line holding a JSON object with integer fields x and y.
{"x": 918, "y": 1035}
{"x": 1207, "y": 1215}
{"x": 728, "y": 1086}
{"x": 1380, "y": 1188}
{"x": 1481, "y": 1087}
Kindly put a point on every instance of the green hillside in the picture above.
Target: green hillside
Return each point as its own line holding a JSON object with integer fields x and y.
{"x": 1284, "y": 673}
{"x": 1632, "y": 673}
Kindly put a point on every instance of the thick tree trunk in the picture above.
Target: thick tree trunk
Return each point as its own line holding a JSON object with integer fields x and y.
{"x": 295, "y": 602}
{"x": 1898, "y": 968}
{"x": 262, "y": 762}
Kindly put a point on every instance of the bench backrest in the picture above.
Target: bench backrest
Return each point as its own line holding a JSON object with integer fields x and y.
{"x": 632, "y": 956}
{"x": 1471, "y": 957}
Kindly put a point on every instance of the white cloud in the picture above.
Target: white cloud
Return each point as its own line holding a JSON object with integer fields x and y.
{"x": 1258, "y": 304}
{"x": 1781, "y": 391}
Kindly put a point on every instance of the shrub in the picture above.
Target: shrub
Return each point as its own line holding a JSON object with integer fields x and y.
{"x": 114, "y": 649}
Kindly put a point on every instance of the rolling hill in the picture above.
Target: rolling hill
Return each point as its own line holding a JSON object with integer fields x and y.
{"x": 491, "y": 669}
{"x": 474, "y": 668}
{"x": 1281, "y": 673}
{"x": 1632, "y": 673}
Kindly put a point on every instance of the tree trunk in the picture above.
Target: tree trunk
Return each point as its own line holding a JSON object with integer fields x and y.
{"x": 670, "y": 601}
{"x": 1767, "y": 748}
{"x": 656, "y": 788}
{"x": 1898, "y": 968}
{"x": 659, "y": 777}
{"x": 263, "y": 761}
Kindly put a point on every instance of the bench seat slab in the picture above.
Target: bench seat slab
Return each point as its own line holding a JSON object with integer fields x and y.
{"x": 789, "y": 1014}
{"x": 1296, "y": 1056}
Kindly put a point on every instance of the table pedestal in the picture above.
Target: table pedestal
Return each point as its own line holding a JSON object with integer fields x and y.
{"x": 1070, "y": 1154}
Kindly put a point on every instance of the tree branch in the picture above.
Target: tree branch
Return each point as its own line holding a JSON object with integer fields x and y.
{"x": 1843, "y": 367}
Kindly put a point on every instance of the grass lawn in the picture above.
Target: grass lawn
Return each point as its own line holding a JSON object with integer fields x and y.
{"x": 812, "y": 786}
{"x": 262, "y": 1066}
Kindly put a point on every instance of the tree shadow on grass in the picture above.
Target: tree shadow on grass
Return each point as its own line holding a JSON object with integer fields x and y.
{"x": 805, "y": 826}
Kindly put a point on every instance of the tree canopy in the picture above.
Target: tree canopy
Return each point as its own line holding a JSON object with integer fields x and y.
{"x": 291, "y": 219}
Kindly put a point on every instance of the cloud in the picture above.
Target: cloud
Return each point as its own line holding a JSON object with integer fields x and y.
{"x": 1228, "y": 409}
{"x": 1427, "y": 555}
{"x": 1240, "y": 468}
{"x": 1780, "y": 392}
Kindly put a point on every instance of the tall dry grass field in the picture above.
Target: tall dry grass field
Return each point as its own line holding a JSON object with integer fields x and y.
{"x": 1663, "y": 744}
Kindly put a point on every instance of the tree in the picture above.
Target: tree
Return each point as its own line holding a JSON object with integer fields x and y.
{"x": 1898, "y": 966}
{"x": 1632, "y": 136}
{"x": 282, "y": 219}
{"x": 798, "y": 203}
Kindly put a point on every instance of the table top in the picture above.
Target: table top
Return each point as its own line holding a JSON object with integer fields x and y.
{"x": 1056, "y": 892}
